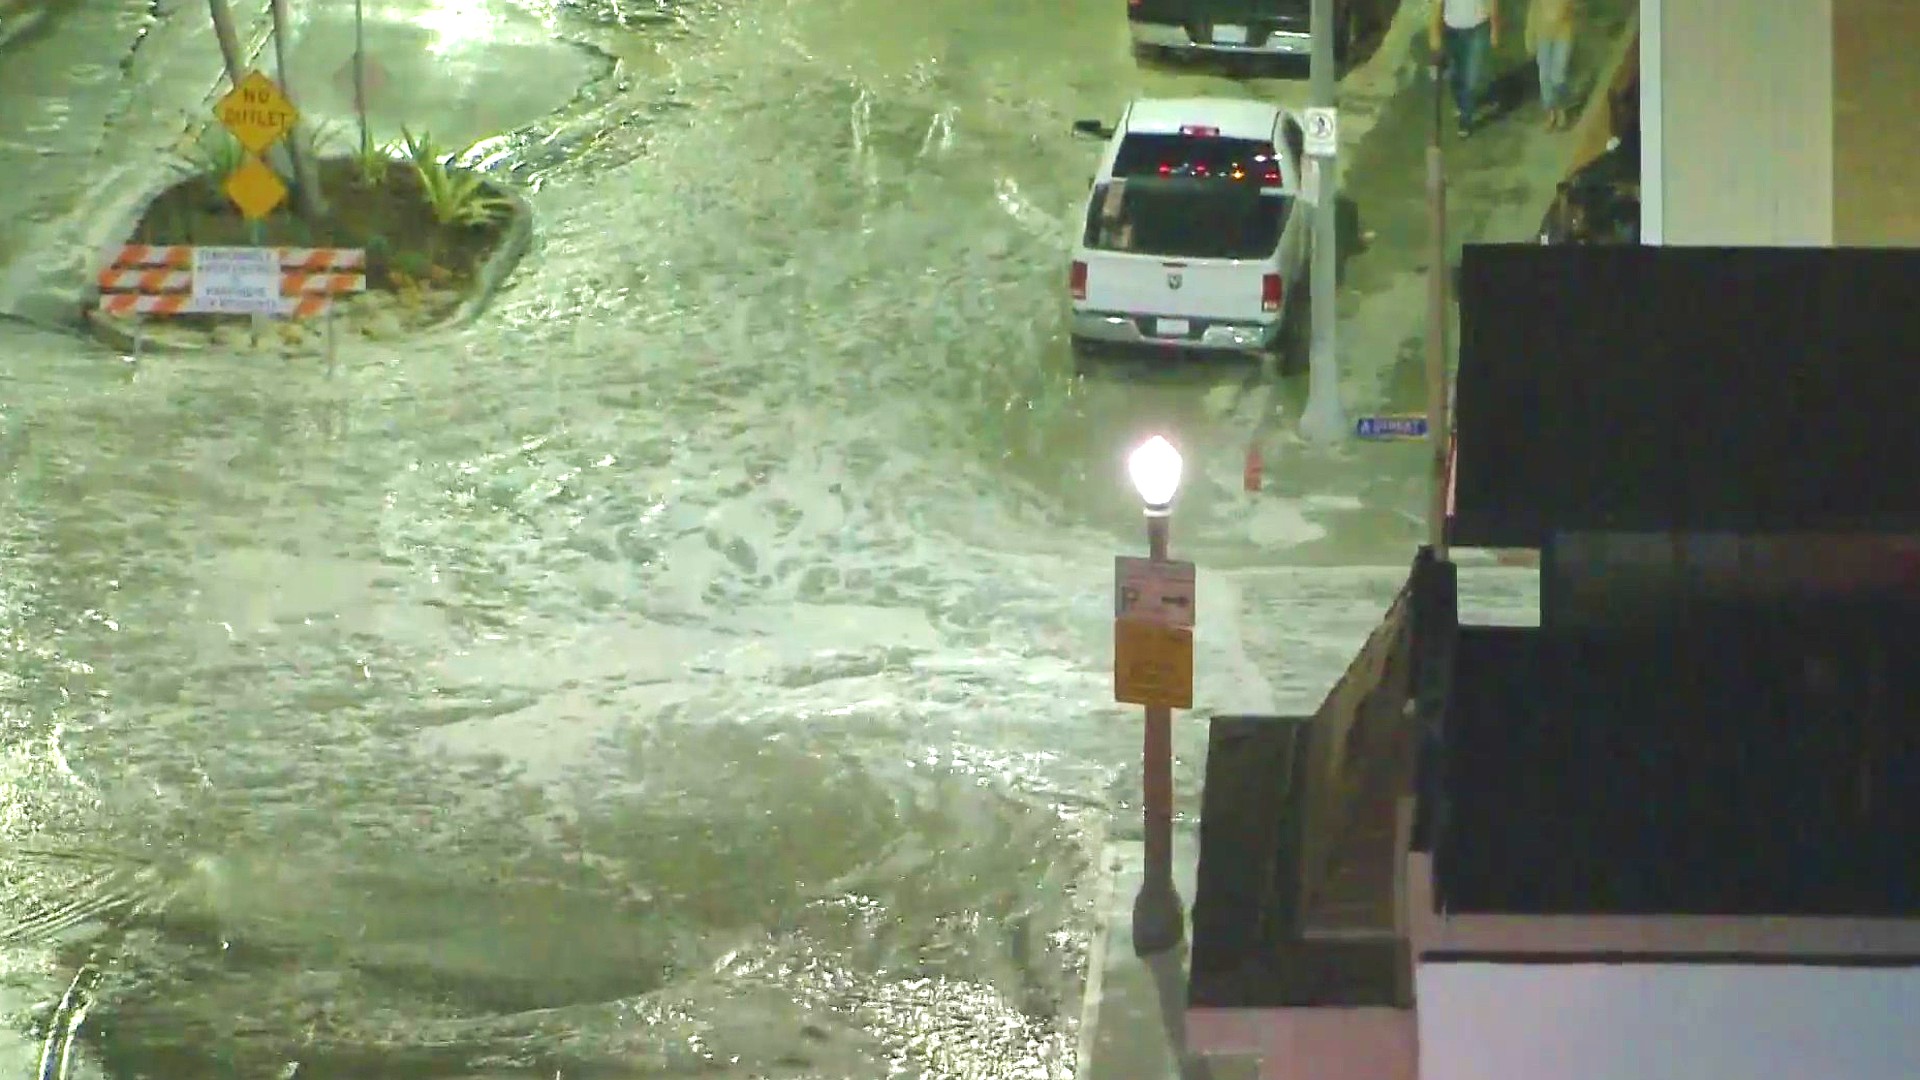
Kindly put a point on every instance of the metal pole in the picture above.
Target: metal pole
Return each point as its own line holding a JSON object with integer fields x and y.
{"x": 256, "y": 236}
{"x": 1439, "y": 428}
{"x": 1158, "y": 921}
{"x": 360, "y": 73}
{"x": 1323, "y": 419}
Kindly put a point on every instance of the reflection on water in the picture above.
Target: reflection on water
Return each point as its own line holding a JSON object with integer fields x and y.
{"x": 461, "y": 69}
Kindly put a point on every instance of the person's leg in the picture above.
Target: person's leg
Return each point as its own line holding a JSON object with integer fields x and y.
{"x": 1555, "y": 57}
{"x": 1473, "y": 69}
{"x": 1541, "y": 63}
{"x": 1457, "y": 73}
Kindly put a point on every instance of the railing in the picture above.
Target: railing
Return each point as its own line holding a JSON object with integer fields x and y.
{"x": 1356, "y": 720}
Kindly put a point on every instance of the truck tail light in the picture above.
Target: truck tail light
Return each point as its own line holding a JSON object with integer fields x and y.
{"x": 1271, "y": 292}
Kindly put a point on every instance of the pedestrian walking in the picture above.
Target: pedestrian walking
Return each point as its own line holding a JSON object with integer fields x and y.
{"x": 1550, "y": 39}
{"x": 1465, "y": 31}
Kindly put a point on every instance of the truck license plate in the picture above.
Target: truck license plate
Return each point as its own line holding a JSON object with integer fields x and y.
{"x": 1230, "y": 35}
{"x": 1171, "y": 327}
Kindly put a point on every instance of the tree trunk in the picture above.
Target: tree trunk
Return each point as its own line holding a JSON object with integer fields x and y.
{"x": 306, "y": 180}
{"x": 229, "y": 40}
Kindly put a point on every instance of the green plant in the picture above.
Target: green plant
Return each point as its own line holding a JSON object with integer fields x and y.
{"x": 370, "y": 162}
{"x": 215, "y": 154}
{"x": 456, "y": 195}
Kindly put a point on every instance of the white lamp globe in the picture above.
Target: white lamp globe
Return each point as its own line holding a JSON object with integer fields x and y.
{"x": 1154, "y": 467}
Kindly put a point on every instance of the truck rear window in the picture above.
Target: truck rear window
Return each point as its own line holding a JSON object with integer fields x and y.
{"x": 1195, "y": 157}
{"x": 1186, "y": 219}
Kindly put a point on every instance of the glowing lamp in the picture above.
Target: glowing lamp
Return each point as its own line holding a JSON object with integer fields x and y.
{"x": 1154, "y": 467}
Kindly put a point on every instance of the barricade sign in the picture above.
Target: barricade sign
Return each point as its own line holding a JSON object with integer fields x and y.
{"x": 143, "y": 280}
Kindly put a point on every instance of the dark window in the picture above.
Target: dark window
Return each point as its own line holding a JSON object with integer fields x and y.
{"x": 1187, "y": 219}
{"x": 1197, "y": 157}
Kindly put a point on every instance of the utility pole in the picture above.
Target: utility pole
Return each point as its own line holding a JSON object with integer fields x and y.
{"x": 1439, "y": 426}
{"x": 1324, "y": 420}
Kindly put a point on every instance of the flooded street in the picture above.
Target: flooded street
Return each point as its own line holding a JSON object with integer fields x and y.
{"x": 698, "y": 666}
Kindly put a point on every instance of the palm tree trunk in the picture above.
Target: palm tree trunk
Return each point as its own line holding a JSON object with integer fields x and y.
{"x": 306, "y": 181}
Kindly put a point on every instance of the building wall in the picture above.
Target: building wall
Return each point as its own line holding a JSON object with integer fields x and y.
{"x": 1667, "y": 1022}
{"x": 1738, "y": 122}
{"x": 1876, "y": 138}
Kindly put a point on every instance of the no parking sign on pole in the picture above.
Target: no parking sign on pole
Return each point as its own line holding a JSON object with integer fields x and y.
{"x": 1322, "y": 131}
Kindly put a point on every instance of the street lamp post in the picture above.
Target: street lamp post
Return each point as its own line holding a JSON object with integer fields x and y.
{"x": 1158, "y": 919}
{"x": 1439, "y": 424}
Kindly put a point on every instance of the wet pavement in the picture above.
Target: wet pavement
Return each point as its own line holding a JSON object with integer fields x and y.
{"x": 699, "y": 664}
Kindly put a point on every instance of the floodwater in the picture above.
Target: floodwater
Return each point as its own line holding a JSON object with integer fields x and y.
{"x": 699, "y": 666}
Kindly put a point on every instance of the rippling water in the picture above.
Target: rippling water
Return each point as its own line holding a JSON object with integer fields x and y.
{"x": 696, "y": 667}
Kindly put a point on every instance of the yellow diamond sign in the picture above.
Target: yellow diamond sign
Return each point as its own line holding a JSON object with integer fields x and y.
{"x": 255, "y": 189}
{"x": 257, "y": 113}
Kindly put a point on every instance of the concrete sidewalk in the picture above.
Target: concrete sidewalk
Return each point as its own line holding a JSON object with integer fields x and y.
{"x": 1133, "y": 1021}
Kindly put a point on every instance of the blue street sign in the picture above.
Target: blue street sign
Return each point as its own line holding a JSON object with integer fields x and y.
{"x": 1391, "y": 427}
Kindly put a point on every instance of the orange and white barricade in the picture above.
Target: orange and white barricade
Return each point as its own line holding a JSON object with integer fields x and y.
{"x": 142, "y": 280}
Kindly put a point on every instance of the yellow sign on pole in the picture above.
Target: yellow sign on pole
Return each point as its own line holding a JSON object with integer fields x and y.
{"x": 1152, "y": 664}
{"x": 256, "y": 112}
{"x": 255, "y": 189}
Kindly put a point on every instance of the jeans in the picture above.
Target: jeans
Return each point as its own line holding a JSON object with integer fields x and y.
{"x": 1466, "y": 66}
{"x": 1553, "y": 58}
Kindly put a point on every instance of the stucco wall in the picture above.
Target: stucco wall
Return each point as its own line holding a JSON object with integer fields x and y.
{"x": 1876, "y": 139}
{"x": 1738, "y": 120}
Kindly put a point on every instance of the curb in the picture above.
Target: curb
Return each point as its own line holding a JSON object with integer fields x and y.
{"x": 109, "y": 333}
{"x": 1596, "y": 111}
{"x": 125, "y": 216}
{"x": 500, "y": 265}
{"x": 1111, "y": 856}
{"x": 19, "y": 20}
{"x": 492, "y": 275}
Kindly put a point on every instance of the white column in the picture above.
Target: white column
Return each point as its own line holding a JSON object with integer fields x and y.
{"x": 1652, "y": 153}
{"x": 1737, "y": 122}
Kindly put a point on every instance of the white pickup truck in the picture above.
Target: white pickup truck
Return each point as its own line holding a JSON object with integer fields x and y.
{"x": 1191, "y": 239}
{"x": 1251, "y": 28}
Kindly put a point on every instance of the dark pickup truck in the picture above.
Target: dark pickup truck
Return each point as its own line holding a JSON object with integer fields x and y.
{"x": 1249, "y": 27}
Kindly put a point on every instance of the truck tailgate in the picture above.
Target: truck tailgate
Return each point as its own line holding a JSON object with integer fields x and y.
{"x": 1225, "y": 289}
